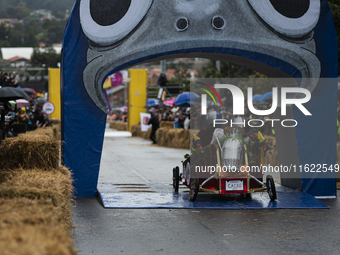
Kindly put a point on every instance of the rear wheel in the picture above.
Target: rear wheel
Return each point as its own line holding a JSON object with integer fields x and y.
{"x": 271, "y": 187}
{"x": 194, "y": 187}
{"x": 175, "y": 178}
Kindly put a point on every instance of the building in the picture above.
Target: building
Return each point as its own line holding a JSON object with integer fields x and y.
{"x": 170, "y": 73}
{"x": 18, "y": 61}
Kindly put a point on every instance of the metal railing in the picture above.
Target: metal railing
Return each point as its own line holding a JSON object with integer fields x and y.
{"x": 27, "y": 73}
{"x": 172, "y": 90}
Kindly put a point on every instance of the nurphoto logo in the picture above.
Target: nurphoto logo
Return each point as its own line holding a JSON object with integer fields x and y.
{"x": 300, "y": 97}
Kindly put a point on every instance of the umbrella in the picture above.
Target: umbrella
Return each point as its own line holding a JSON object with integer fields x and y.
{"x": 41, "y": 101}
{"x": 32, "y": 90}
{"x": 257, "y": 97}
{"x": 196, "y": 104}
{"x": 263, "y": 97}
{"x": 185, "y": 97}
{"x": 169, "y": 102}
{"x": 28, "y": 91}
{"x": 266, "y": 96}
{"x": 152, "y": 102}
{"x": 22, "y": 103}
{"x": 9, "y": 93}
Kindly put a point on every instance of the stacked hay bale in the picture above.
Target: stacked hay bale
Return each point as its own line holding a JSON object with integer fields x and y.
{"x": 35, "y": 196}
{"x": 55, "y": 121}
{"x": 146, "y": 135}
{"x": 56, "y": 124}
{"x": 32, "y": 149}
{"x": 161, "y": 135}
{"x": 137, "y": 131}
{"x": 166, "y": 135}
{"x": 166, "y": 124}
{"x": 118, "y": 125}
{"x": 173, "y": 138}
{"x": 170, "y": 136}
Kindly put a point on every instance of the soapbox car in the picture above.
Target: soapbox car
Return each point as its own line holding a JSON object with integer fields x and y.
{"x": 225, "y": 169}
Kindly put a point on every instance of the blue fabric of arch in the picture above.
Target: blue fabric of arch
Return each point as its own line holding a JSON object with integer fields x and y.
{"x": 323, "y": 106}
{"x": 83, "y": 124}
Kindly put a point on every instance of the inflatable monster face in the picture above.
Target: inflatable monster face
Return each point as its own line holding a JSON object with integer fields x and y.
{"x": 278, "y": 38}
{"x": 122, "y": 32}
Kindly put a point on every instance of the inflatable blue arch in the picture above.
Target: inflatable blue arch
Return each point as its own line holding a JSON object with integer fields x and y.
{"x": 287, "y": 39}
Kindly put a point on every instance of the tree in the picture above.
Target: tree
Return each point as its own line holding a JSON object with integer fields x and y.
{"x": 4, "y": 34}
{"x": 18, "y": 12}
{"x": 181, "y": 75}
{"x": 47, "y": 57}
{"x": 228, "y": 70}
{"x": 53, "y": 31}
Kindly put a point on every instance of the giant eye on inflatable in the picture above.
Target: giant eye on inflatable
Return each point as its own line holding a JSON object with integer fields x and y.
{"x": 289, "y": 17}
{"x": 107, "y": 22}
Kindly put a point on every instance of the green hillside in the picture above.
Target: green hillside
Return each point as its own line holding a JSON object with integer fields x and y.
{"x": 21, "y": 8}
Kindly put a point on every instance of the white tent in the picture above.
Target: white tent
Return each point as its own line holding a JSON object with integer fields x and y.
{"x": 25, "y": 52}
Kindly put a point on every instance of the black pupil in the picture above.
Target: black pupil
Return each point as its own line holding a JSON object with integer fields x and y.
{"x": 108, "y": 12}
{"x": 182, "y": 24}
{"x": 218, "y": 22}
{"x": 291, "y": 8}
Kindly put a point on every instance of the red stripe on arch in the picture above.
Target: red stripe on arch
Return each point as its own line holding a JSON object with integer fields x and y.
{"x": 213, "y": 90}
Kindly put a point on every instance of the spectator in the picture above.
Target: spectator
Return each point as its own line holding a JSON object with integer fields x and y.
{"x": 5, "y": 80}
{"x": 2, "y": 79}
{"x": 154, "y": 121}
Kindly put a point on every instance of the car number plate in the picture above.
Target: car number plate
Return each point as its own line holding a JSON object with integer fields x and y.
{"x": 234, "y": 185}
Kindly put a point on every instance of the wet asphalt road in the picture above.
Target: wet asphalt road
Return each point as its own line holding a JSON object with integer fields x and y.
{"x": 162, "y": 231}
{"x": 151, "y": 231}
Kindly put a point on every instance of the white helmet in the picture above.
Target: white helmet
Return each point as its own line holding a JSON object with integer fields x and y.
{"x": 239, "y": 122}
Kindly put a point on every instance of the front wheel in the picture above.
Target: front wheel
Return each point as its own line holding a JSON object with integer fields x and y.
{"x": 175, "y": 178}
{"x": 271, "y": 187}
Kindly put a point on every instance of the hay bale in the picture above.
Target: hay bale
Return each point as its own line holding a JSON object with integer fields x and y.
{"x": 186, "y": 134}
{"x": 181, "y": 139}
{"x": 55, "y": 121}
{"x": 53, "y": 186}
{"x": 5, "y": 174}
{"x": 160, "y": 136}
{"x": 37, "y": 240}
{"x": 135, "y": 130}
{"x": 30, "y": 151}
{"x": 57, "y": 132}
{"x": 163, "y": 138}
{"x": 118, "y": 125}
{"x": 39, "y": 131}
{"x": 180, "y": 133}
{"x": 147, "y": 134}
{"x": 183, "y": 144}
{"x": 166, "y": 124}
{"x": 170, "y": 136}
{"x": 18, "y": 211}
